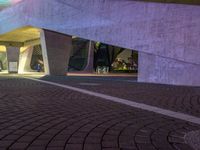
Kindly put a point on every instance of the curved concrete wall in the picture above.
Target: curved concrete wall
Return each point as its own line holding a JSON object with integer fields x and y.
{"x": 165, "y": 30}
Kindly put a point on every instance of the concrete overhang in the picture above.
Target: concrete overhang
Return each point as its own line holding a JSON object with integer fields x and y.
{"x": 21, "y": 37}
{"x": 22, "y": 49}
{"x": 166, "y": 30}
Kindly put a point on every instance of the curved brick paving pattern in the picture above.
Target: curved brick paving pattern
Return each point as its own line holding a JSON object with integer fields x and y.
{"x": 35, "y": 116}
{"x": 177, "y": 98}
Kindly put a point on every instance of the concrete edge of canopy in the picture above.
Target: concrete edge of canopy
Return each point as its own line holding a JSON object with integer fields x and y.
{"x": 166, "y": 35}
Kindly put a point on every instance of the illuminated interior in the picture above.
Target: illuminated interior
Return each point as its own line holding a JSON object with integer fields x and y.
{"x": 2, "y": 48}
{"x": 22, "y": 38}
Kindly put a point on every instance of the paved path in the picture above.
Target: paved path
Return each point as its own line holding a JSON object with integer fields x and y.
{"x": 40, "y": 116}
{"x": 177, "y": 98}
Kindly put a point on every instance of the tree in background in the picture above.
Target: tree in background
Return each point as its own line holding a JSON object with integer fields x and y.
{"x": 105, "y": 55}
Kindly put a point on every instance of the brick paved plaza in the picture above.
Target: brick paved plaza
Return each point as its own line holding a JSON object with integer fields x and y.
{"x": 38, "y": 116}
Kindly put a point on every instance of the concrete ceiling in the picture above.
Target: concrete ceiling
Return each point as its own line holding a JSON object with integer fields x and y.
{"x": 20, "y": 37}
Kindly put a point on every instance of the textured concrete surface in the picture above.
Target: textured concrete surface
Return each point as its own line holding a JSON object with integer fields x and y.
{"x": 13, "y": 57}
{"x": 56, "y": 52}
{"x": 90, "y": 60}
{"x": 165, "y": 30}
{"x": 162, "y": 29}
{"x": 25, "y": 58}
{"x": 157, "y": 69}
{"x": 36, "y": 116}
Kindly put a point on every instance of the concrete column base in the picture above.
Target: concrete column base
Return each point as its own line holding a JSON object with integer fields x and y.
{"x": 56, "y": 49}
{"x": 13, "y": 59}
{"x": 25, "y": 60}
{"x": 163, "y": 70}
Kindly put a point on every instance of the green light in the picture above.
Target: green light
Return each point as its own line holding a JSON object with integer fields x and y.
{"x": 4, "y": 2}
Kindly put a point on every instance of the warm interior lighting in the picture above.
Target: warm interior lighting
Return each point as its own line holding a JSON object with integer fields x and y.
{"x": 2, "y": 48}
{"x": 22, "y": 49}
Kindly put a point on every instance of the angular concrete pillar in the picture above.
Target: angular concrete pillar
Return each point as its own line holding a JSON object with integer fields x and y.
{"x": 90, "y": 59}
{"x": 164, "y": 70}
{"x": 56, "y": 49}
{"x": 13, "y": 59}
{"x": 25, "y": 60}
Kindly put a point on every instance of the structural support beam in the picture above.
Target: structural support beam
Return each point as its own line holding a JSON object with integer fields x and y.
{"x": 13, "y": 59}
{"x": 32, "y": 42}
{"x": 25, "y": 60}
{"x": 158, "y": 69}
{"x": 56, "y": 49}
{"x": 12, "y": 44}
{"x": 90, "y": 59}
{"x": 20, "y": 44}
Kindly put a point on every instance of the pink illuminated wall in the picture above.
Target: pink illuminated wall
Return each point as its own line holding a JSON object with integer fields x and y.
{"x": 15, "y": 1}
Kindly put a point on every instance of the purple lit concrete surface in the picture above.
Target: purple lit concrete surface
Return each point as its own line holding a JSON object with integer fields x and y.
{"x": 163, "y": 33}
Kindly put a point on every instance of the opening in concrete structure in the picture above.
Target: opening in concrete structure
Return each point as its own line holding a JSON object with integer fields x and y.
{"x": 24, "y": 51}
{"x": 115, "y": 59}
{"x": 97, "y": 57}
{"x": 3, "y": 60}
{"x": 16, "y": 49}
{"x": 37, "y": 62}
{"x": 78, "y": 55}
